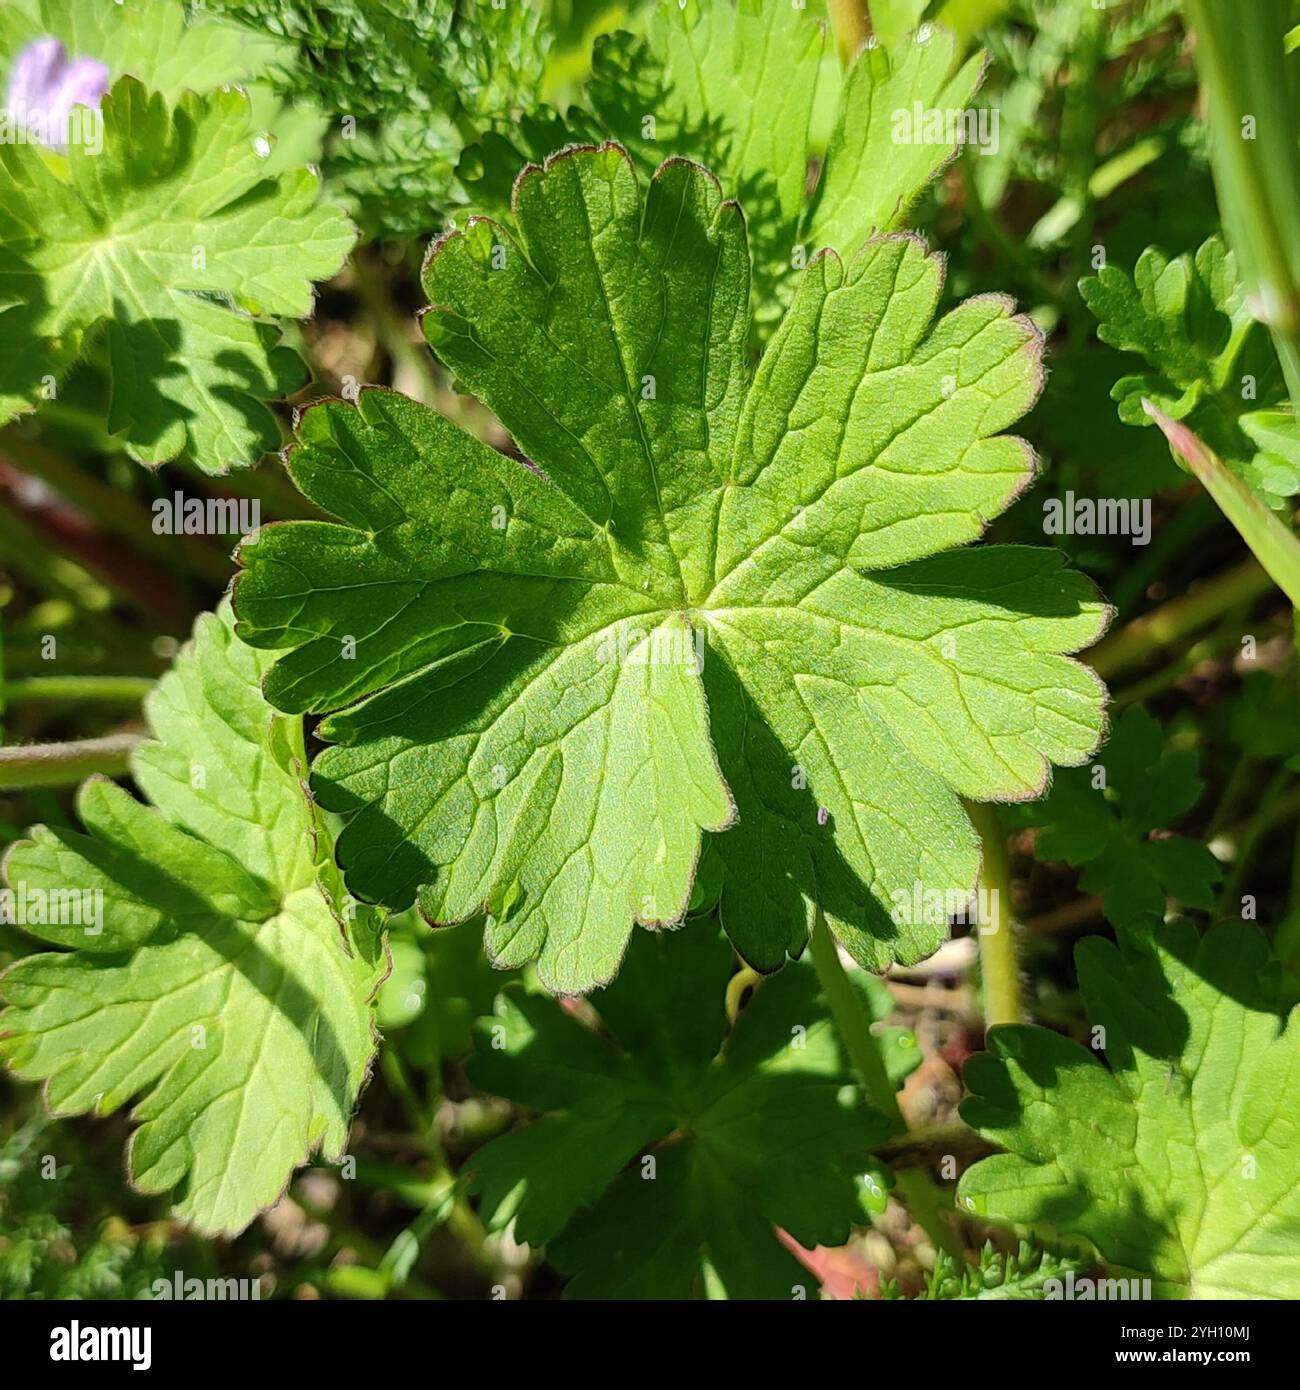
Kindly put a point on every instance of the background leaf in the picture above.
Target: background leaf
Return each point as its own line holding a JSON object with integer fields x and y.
{"x": 771, "y": 1132}
{"x": 1179, "y": 1162}
{"x": 169, "y": 250}
{"x": 226, "y": 983}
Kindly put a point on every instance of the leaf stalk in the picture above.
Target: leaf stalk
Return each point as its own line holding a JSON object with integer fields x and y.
{"x": 855, "y": 1033}
{"x": 63, "y": 764}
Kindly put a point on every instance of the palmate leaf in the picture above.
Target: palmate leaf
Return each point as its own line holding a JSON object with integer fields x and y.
{"x": 174, "y": 248}
{"x": 227, "y": 988}
{"x": 732, "y": 84}
{"x": 1102, "y": 817}
{"x": 899, "y": 110}
{"x": 1179, "y": 1163}
{"x": 714, "y": 605}
{"x": 772, "y": 1133}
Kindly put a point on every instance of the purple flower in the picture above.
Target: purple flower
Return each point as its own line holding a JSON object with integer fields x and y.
{"x": 44, "y": 86}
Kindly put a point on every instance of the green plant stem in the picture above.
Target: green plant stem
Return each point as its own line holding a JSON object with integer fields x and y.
{"x": 420, "y": 1120}
{"x": 851, "y": 25}
{"x": 1244, "y": 70}
{"x": 399, "y": 1180}
{"x": 367, "y": 1280}
{"x": 62, "y": 764}
{"x": 107, "y": 689}
{"x": 999, "y": 969}
{"x": 1274, "y": 544}
{"x": 445, "y": 1203}
{"x": 855, "y": 1033}
{"x": 1179, "y": 618}
{"x": 853, "y": 1026}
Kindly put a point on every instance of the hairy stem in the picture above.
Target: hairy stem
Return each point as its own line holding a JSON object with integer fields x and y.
{"x": 445, "y": 1203}
{"x": 999, "y": 968}
{"x": 851, "y": 25}
{"x": 1273, "y": 543}
{"x": 62, "y": 764}
{"x": 108, "y": 689}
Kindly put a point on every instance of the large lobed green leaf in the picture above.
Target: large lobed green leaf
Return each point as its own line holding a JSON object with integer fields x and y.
{"x": 875, "y": 168}
{"x": 713, "y": 604}
{"x": 1181, "y": 1162}
{"x": 228, "y": 988}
